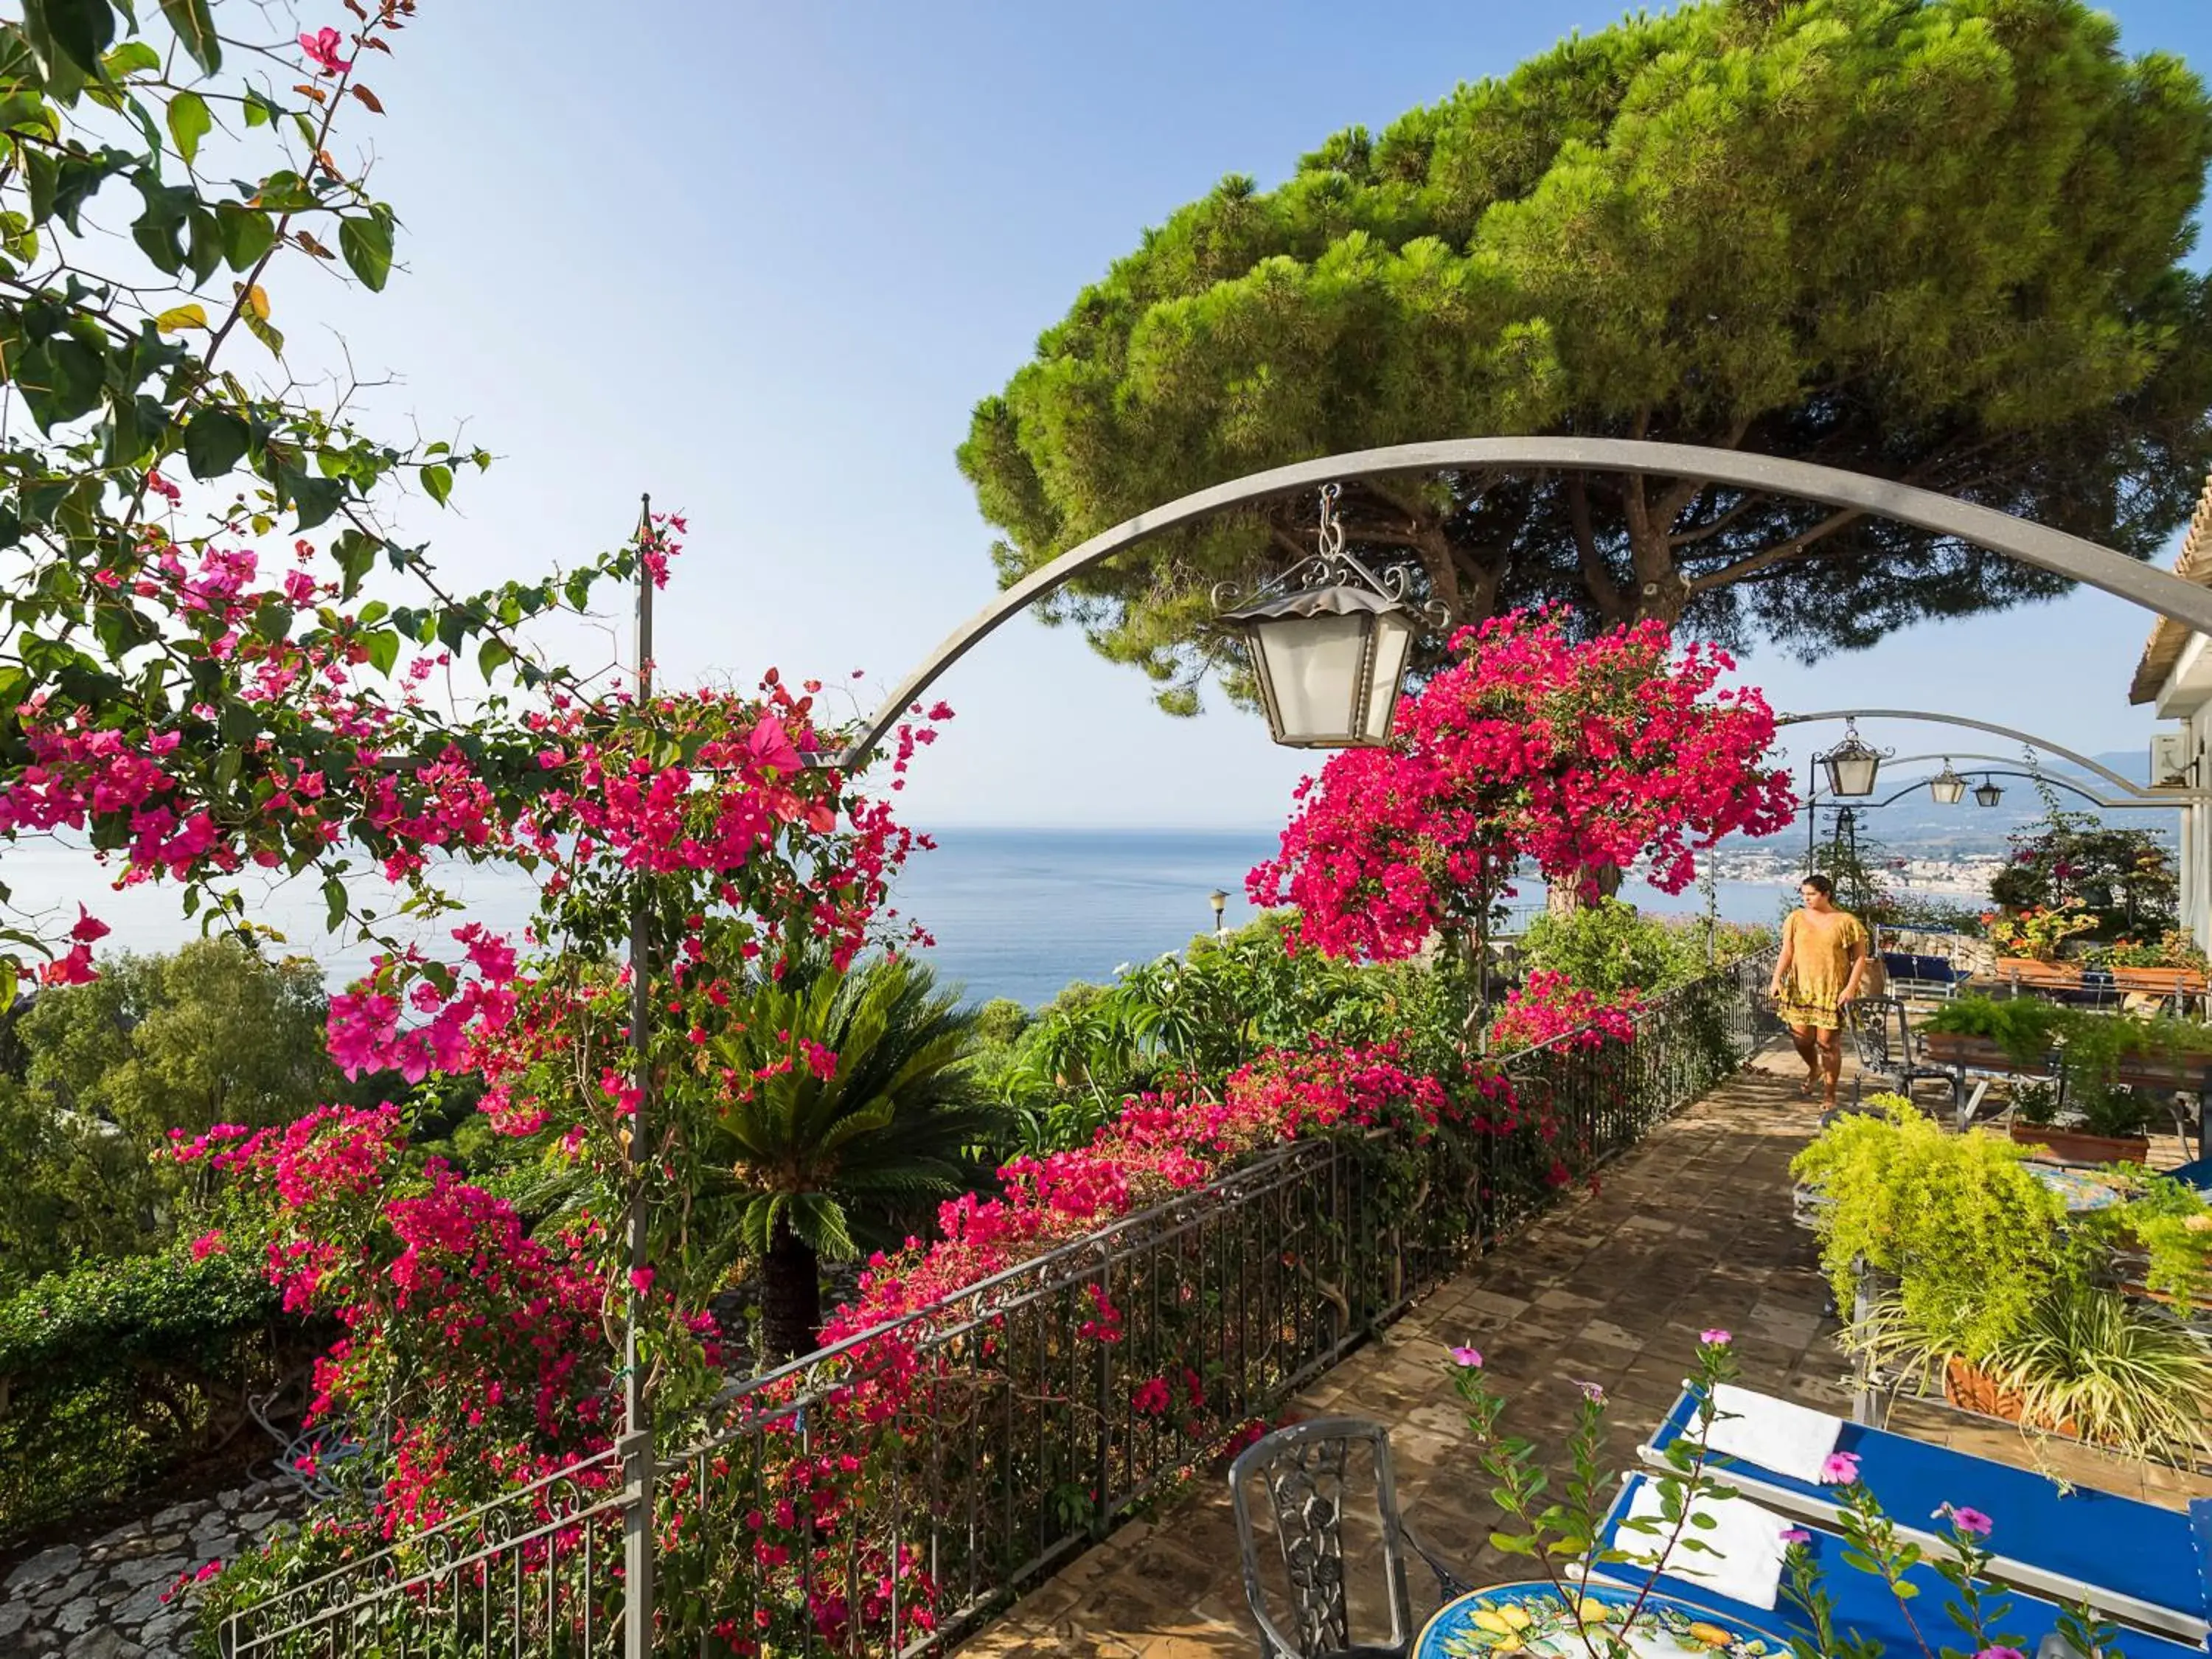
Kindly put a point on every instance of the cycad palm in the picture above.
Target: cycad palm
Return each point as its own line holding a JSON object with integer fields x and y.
{"x": 829, "y": 1160}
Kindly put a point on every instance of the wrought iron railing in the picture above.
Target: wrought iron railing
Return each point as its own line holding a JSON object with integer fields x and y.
{"x": 884, "y": 1494}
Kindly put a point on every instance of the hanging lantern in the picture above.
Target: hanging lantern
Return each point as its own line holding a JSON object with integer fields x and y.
{"x": 1330, "y": 655}
{"x": 1851, "y": 765}
{"x": 1989, "y": 793}
{"x": 1946, "y": 787}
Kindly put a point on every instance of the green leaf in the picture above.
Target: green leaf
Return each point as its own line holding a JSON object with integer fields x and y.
{"x": 177, "y": 318}
{"x": 263, "y": 330}
{"x": 334, "y": 899}
{"x": 383, "y": 649}
{"x": 492, "y": 656}
{"x": 188, "y": 123}
{"x": 194, "y": 28}
{"x": 130, "y": 58}
{"x": 82, "y": 29}
{"x": 438, "y": 482}
{"x": 10, "y": 976}
{"x": 261, "y": 110}
{"x": 215, "y": 442}
{"x": 246, "y": 233}
{"x": 315, "y": 498}
{"x": 356, "y": 552}
{"x": 367, "y": 244}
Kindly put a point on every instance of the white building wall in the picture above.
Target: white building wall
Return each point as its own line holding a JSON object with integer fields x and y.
{"x": 2186, "y": 697}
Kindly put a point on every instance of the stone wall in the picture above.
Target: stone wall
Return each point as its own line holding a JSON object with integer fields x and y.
{"x": 105, "y": 1599}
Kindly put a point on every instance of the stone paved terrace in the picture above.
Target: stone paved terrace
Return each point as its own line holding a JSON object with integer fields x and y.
{"x": 1692, "y": 1230}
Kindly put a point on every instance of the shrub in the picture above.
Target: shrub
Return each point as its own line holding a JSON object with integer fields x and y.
{"x": 115, "y": 1371}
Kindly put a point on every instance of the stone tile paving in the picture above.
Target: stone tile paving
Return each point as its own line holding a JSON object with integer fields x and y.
{"x": 103, "y": 1599}
{"x": 1691, "y": 1230}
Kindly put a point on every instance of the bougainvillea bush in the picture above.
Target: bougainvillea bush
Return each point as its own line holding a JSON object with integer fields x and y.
{"x": 1579, "y": 756}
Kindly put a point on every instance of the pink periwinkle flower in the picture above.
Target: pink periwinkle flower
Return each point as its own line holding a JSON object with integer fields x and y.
{"x": 1716, "y": 1338}
{"x": 1970, "y": 1522}
{"x": 1466, "y": 1359}
{"x": 1795, "y": 1536}
{"x": 1839, "y": 1469}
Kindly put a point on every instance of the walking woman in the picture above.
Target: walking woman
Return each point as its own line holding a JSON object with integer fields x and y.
{"x": 1824, "y": 957}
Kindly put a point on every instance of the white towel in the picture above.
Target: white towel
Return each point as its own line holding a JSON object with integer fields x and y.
{"x": 1743, "y": 1557}
{"x": 1774, "y": 1434}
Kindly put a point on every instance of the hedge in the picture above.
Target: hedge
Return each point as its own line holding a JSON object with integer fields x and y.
{"x": 116, "y": 1371}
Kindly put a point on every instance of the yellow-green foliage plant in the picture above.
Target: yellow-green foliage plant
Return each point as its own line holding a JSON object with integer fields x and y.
{"x": 1972, "y": 1238}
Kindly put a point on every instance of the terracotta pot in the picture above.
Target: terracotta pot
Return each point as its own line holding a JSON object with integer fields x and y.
{"x": 1950, "y": 1049}
{"x": 2028, "y": 971}
{"x": 2188, "y": 1072}
{"x": 2158, "y": 979}
{"x": 2071, "y": 1146}
{"x": 1972, "y": 1388}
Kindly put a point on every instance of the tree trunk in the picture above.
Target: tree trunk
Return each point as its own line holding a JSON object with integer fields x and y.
{"x": 1564, "y": 898}
{"x": 791, "y": 1295}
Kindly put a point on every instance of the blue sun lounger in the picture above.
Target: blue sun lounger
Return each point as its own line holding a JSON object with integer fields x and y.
{"x": 2131, "y": 1560}
{"x": 1864, "y": 1604}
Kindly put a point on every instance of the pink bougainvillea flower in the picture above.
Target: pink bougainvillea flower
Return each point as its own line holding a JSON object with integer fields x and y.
{"x": 322, "y": 47}
{"x": 88, "y": 927}
{"x": 1466, "y": 1359}
{"x": 1716, "y": 1338}
{"x": 1839, "y": 1469}
{"x": 770, "y": 746}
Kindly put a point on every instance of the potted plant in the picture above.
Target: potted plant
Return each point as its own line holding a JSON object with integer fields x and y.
{"x": 2108, "y": 1126}
{"x": 2173, "y": 963}
{"x": 2117, "y": 1373}
{"x": 2028, "y": 941}
{"x": 1997, "y": 1036}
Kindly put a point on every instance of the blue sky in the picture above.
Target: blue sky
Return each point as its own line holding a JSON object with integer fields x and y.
{"x": 761, "y": 260}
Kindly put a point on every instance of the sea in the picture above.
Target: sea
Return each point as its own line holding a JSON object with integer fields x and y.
{"x": 1015, "y": 913}
{"x": 1021, "y": 913}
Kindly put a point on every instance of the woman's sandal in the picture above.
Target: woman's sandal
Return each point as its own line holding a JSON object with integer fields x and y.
{"x": 1805, "y": 1090}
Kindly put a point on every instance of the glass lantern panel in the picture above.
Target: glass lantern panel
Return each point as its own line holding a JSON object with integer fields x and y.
{"x": 1313, "y": 665}
{"x": 1386, "y": 669}
{"x": 1852, "y": 775}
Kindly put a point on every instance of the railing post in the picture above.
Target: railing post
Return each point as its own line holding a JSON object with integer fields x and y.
{"x": 637, "y": 1452}
{"x": 636, "y": 1439}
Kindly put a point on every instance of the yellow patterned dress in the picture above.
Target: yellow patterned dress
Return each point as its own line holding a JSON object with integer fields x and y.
{"x": 1821, "y": 944}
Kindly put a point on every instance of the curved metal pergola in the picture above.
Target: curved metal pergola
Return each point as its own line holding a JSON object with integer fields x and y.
{"x": 1918, "y": 784}
{"x": 1830, "y": 803}
{"x": 2142, "y": 796}
{"x": 2021, "y": 539}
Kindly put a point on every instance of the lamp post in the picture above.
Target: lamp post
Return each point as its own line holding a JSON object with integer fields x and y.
{"x": 1946, "y": 787}
{"x": 1989, "y": 793}
{"x": 1329, "y": 648}
{"x": 1219, "y": 900}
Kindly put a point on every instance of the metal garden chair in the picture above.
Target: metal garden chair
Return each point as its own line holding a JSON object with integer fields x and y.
{"x": 1309, "y": 1474}
{"x": 1888, "y": 1052}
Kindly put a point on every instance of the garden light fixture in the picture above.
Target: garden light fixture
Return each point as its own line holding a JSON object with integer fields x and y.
{"x": 1948, "y": 787}
{"x": 1219, "y": 901}
{"x": 1330, "y": 650}
{"x": 1851, "y": 765}
{"x": 1988, "y": 793}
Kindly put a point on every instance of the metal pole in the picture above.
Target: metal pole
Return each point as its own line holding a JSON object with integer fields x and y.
{"x": 637, "y": 1428}
{"x": 1812, "y": 817}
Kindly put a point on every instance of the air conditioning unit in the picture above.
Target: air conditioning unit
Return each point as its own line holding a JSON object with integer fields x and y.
{"x": 2169, "y": 760}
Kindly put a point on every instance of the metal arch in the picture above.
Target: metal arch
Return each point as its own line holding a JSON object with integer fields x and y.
{"x": 2071, "y": 556}
{"x": 2156, "y": 797}
{"x": 2093, "y": 799}
{"x": 2170, "y": 799}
